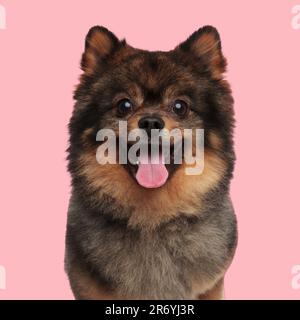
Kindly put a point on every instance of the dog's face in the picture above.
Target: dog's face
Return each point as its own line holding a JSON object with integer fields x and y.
{"x": 180, "y": 89}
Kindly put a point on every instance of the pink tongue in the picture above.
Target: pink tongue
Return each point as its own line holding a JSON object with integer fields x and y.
{"x": 152, "y": 175}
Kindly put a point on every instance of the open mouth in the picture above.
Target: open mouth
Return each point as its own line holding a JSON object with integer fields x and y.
{"x": 153, "y": 168}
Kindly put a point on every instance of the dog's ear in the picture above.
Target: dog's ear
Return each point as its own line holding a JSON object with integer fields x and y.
{"x": 205, "y": 44}
{"x": 100, "y": 43}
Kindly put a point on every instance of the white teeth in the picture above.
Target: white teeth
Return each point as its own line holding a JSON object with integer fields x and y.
{"x": 137, "y": 162}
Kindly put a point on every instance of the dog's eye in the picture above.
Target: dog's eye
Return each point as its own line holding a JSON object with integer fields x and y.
{"x": 124, "y": 106}
{"x": 180, "y": 107}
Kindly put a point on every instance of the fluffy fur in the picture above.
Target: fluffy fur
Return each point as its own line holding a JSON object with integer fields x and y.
{"x": 127, "y": 242}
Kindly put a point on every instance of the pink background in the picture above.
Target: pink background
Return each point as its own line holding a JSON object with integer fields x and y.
{"x": 39, "y": 66}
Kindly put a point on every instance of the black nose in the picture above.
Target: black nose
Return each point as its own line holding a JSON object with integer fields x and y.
{"x": 151, "y": 122}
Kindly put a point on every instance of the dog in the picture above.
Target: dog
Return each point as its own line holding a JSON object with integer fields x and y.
{"x": 164, "y": 235}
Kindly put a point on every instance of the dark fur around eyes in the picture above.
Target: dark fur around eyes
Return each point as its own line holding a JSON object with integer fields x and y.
{"x": 211, "y": 99}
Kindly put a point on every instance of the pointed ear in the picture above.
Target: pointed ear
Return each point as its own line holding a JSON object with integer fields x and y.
{"x": 99, "y": 44}
{"x": 206, "y": 45}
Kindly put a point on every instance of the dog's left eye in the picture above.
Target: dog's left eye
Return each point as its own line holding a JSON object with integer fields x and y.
{"x": 124, "y": 106}
{"x": 180, "y": 107}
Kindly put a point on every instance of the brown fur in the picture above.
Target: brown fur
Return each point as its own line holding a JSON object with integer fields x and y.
{"x": 128, "y": 242}
{"x": 215, "y": 293}
{"x": 180, "y": 194}
{"x": 88, "y": 289}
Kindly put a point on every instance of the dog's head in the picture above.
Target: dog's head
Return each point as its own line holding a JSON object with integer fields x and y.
{"x": 180, "y": 89}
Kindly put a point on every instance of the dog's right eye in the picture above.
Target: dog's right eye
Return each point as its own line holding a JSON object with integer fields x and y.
{"x": 124, "y": 106}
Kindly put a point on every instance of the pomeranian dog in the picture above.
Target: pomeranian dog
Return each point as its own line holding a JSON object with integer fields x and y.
{"x": 144, "y": 230}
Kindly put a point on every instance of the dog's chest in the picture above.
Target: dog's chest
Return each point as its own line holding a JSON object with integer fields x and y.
{"x": 156, "y": 265}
